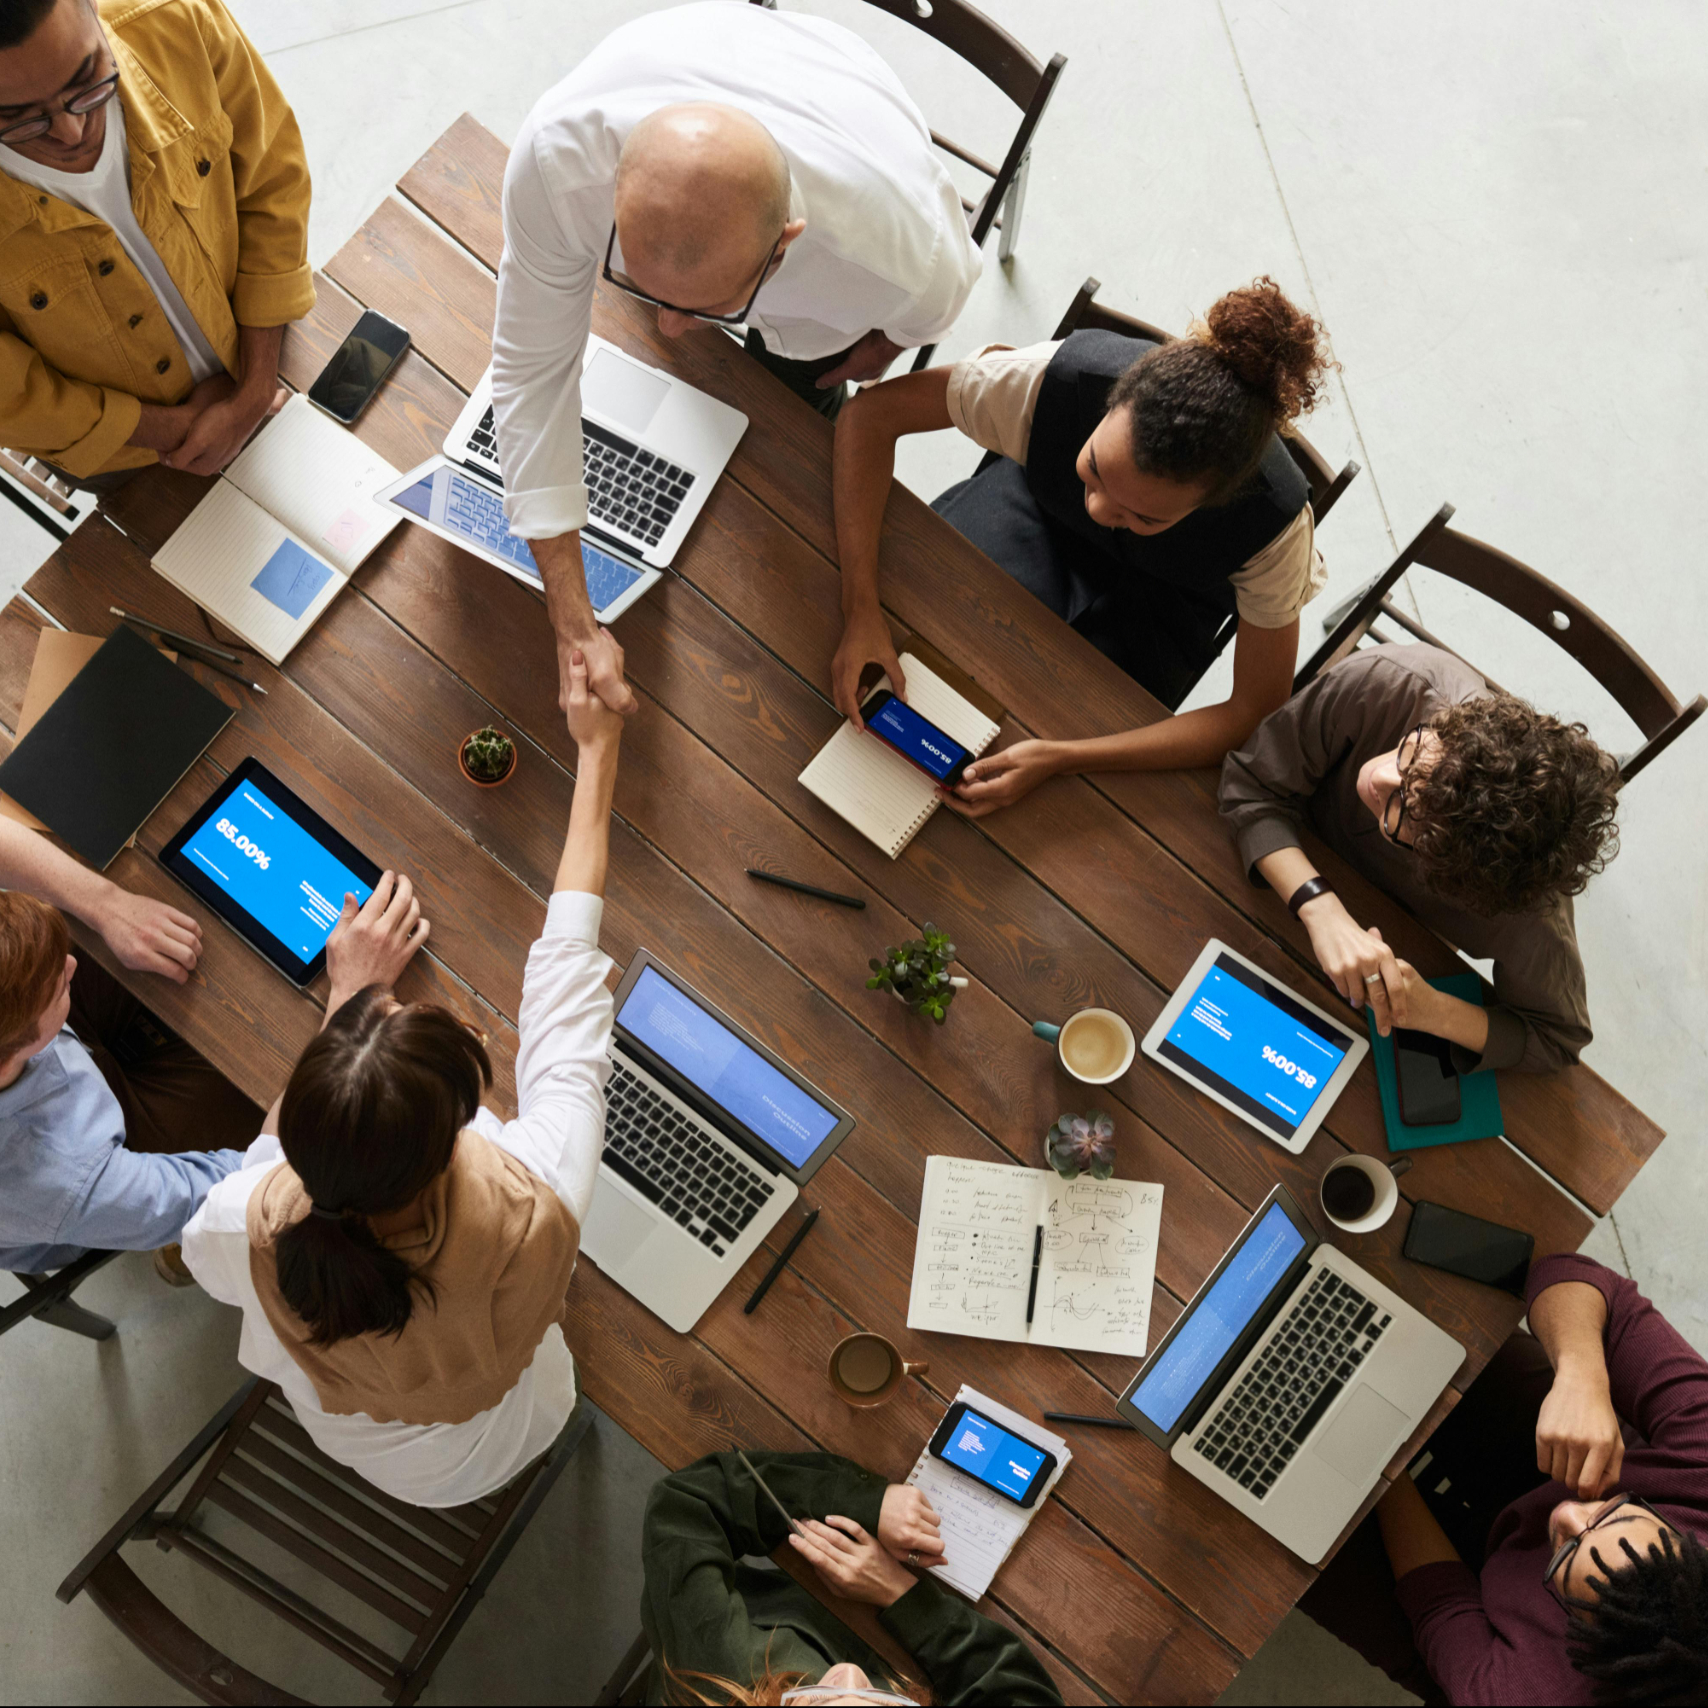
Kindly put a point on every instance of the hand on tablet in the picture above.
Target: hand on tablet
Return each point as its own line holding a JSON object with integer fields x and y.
{"x": 148, "y": 936}
{"x": 374, "y": 944}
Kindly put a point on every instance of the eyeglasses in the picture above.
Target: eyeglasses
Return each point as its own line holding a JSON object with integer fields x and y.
{"x": 1615, "y": 1505}
{"x": 624, "y": 283}
{"x": 1394, "y": 808}
{"x": 843, "y": 1693}
{"x": 84, "y": 101}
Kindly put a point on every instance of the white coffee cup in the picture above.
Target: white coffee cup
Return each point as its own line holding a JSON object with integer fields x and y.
{"x": 1095, "y": 1045}
{"x": 1381, "y": 1177}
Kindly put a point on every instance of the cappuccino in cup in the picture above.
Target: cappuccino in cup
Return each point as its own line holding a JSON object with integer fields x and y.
{"x": 1095, "y": 1045}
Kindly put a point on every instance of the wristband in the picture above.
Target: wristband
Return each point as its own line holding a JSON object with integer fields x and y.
{"x": 1309, "y": 890}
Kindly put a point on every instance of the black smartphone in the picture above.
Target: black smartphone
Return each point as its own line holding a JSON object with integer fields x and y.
{"x": 1429, "y": 1083}
{"x": 919, "y": 741}
{"x": 358, "y": 368}
{"x": 1469, "y": 1246}
{"x": 1003, "y": 1461}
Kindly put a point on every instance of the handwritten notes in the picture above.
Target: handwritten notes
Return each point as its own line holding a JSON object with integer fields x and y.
{"x": 972, "y": 1266}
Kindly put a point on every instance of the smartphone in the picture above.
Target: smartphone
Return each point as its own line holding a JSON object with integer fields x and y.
{"x": 358, "y": 368}
{"x": 992, "y": 1455}
{"x": 1469, "y": 1246}
{"x": 919, "y": 741}
{"x": 1429, "y": 1083}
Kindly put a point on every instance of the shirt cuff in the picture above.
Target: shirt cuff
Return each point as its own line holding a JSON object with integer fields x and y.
{"x": 272, "y": 299}
{"x": 574, "y": 915}
{"x": 120, "y": 412}
{"x": 1549, "y": 1272}
{"x": 918, "y": 1615}
{"x": 546, "y": 512}
{"x": 1268, "y": 835}
{"x": 1507, "y": 1040}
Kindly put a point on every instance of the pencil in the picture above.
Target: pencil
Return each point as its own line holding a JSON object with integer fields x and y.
{"x": 776, "y": 1268}
{"x": 1086, "y": 1417}
{"x": 173, "y": 635}
{"x": 805, "y": 889}
{"x": 242, "y": 681}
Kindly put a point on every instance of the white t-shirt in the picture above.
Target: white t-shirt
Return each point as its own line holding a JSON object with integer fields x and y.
{"x": 104, "y": 191}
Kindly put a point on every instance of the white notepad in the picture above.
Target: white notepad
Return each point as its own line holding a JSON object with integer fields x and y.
{"x": 979, "y": 1527}
{"x": 972, "y": 1264}
{"x": 871, "y": 785}
{"x": 287, "y": 524}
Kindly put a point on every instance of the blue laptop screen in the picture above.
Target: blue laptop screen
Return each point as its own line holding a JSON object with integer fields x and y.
{"x": 1218, "y": 1320}
{"x": 730, "y": 1073}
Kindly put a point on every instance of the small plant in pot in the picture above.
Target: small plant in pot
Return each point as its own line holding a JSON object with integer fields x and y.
{"x": 487, "y": 757}
{"x": 917, "y": 973}
{"x": 1081, "y": 1144}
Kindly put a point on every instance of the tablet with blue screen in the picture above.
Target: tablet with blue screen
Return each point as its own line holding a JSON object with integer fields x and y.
{"x": 1251, "y": 1045}
{"x": 271, "y": 867}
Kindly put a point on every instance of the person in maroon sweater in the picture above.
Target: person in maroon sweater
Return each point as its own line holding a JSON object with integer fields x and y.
{"x": 1576, "y": 1471}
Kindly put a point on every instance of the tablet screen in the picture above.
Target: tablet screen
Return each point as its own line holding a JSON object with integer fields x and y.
{"x": 1245, "y": 1037}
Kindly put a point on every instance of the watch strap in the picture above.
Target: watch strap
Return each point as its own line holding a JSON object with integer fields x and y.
{"x": 1309, "y": 890}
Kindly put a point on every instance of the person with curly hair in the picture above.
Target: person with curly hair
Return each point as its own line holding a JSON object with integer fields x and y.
{"x": 1481, "y": 814}
{"x": 1140, "y": 491}
{"x": 1548, "y": 1544}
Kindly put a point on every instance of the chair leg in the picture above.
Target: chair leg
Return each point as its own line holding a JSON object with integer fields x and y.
{"x": 78, "y": 1321}
{"x": 634, "y": 1657}
{"x": 1013, "y": 207}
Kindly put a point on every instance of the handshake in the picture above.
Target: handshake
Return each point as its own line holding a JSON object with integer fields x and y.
{"x": 594, "y": 697}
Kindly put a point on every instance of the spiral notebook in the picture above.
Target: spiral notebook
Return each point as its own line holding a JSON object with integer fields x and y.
{"x": 873, "y": 787}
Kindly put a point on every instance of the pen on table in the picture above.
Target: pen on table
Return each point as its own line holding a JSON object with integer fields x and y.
{"x": 805, "y": 889}
{"x": 242, "y": 681}
{"x": 1086, "y": 1417}
{"x": 173, "y": 635}
{"x": 1037, "y": 1256}
{"x": 776, "y": 1268}
{"x": 792, "y": 1523}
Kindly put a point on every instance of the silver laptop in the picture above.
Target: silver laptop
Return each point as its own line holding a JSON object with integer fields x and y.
{"x": 653, "y": 448}
{"x": 708, "y": 1140}
{"x": 1291, "y": 1380}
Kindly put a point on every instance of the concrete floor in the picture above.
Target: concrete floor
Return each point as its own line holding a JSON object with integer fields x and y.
{"x": 1497, "y": 214}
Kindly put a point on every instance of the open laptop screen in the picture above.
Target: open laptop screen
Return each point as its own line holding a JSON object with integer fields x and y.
{"x": 728, "y": 1072}
{"x": 1215, "y": 1321}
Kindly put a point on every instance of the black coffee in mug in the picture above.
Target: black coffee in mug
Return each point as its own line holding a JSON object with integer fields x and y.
{"x": 1348, "y": 1192}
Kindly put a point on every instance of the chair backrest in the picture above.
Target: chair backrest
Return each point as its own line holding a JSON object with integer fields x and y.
{"x": 1085, "y": 312}
{"x": 1545, "y": 606}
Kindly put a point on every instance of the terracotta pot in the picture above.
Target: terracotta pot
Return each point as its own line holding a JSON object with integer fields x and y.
{"x": 482, "y": 782}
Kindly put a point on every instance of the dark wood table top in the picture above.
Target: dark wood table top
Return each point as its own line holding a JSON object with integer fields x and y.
{"x": 1134, "y": 1581}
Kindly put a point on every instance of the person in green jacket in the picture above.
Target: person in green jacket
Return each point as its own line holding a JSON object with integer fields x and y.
{"x": 725, "y": 1632}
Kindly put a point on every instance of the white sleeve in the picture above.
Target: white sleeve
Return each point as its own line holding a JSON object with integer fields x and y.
{"x": 215, "y": 1242}
{"x": 950, "y": 275}
{"x": 545, "y": 312}
{"x": 564, "y": 1057}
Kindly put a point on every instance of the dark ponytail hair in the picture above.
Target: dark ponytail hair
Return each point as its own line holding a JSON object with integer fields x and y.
{"x": 369, "y": 1119}
{"x": 1203, "y": 408}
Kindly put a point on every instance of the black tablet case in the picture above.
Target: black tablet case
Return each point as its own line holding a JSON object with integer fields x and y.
{"x": 110, "y": 749}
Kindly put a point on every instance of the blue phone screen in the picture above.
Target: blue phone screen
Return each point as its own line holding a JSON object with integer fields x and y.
{"x": 916, "y": 738}
{"x": 993, "y": 1454}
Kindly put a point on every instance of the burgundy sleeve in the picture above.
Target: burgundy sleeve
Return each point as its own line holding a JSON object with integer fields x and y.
{"x": 1465, "y": 1655}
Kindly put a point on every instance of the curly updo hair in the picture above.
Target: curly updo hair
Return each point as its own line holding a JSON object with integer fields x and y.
{"x": 1203, "y": 408}
{"x": 1515, "y": 809}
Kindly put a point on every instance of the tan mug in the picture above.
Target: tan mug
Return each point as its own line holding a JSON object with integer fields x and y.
{"x": 866, "y": 1369}
{"x": 1095, "y": 1045}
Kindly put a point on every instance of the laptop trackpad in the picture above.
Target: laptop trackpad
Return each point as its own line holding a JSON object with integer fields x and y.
{"x": 616, "y": 1228}
{"x": 1359, "y": 1441}
{"x": 622, "y": 392}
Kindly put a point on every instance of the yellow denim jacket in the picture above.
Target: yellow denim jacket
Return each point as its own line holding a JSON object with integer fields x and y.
{"x": 220, "y": 186}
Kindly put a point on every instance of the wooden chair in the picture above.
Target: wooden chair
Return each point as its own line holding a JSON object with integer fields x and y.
{"x": 627, "y": 1685}
{"x": 1085, "y": 312}
{"x": 422, "y": 1569}
{"x": 998, "y": 57}
{"x": 47, "y": 1298}
{"x": 1548, "y": 609}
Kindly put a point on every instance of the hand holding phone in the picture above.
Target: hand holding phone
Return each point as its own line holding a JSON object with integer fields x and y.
{"x": 919, "y": 741}
{"x": 346, "y": 385}
{"x": 1004, "y": 1462}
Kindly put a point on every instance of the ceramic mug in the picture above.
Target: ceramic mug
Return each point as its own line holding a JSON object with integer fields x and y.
{"x": 866, "y": 1369}
{"x": 1094, "y": 1045}
{"x": 1361, "y": 1181}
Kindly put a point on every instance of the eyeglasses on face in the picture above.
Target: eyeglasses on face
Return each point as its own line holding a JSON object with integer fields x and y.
{"x": 1399, "y": 799}
{"x": 624, "y": 283}
{"x": 1616, "y": 1504}
{"x": 85, "y": 100}
{"x": 810, "y": 1693}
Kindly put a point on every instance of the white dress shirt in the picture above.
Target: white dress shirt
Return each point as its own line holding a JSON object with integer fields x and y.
{"x": 886, "y": 246}
{"x": 562, "y": 1063}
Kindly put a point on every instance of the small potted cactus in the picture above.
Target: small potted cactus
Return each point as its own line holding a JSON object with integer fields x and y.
{"x": 487, "y": 757}
{"x": 1081, "y": 1144}
{"x": 917, "y": 973}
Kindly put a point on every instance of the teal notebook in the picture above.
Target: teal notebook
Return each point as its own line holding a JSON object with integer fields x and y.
{"x": 1479, "y": 1102}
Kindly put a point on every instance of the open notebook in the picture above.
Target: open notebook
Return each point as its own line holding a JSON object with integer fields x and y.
{"x": 871, "y": 785}
{"x": 282, "y": 530}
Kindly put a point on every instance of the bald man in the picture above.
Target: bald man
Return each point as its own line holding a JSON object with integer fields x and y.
{"x": 726, "y": 163}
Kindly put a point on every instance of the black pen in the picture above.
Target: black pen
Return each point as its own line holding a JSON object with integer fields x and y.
{"x": 1037, "y": 1257}
{"x": 776, "y": 1268}
{"x": 805, "y": 889}
{"x": 208, "y": 664}
{"x": 1086, "y": 1417}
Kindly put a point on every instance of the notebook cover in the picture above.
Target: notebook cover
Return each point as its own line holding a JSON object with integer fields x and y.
{"x": 1479, "y": 1101}
{"x": 111, "y": 748}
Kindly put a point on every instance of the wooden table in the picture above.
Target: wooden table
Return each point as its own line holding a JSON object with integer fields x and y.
{"x": 1135, "y": 1582}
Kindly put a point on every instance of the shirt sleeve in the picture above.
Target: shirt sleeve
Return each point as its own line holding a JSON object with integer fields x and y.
{"x": 1464, "y": 1653}
{"x": 216, "y": 1241}
{"x": 1539, "y": 1020}
{"x": 994, "y": 395}
{"x": 967, "y": 1657}
{"x": 80, "y": 426}
{"x": 539, "y": 342}
{"x": 951, "y": 271}
{"x": 1272, "y": 587}
{"x": 564, "y": 1057}
{"x": 135, "y": 1201}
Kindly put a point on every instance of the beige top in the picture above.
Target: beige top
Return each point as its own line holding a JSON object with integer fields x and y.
{"x": 992, "y": 399}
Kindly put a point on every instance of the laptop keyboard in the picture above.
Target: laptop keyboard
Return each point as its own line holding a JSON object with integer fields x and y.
{"x": 705, "y": 1187}
{"x": 1315, "y": 1352}
{"x": 472, "y": 510}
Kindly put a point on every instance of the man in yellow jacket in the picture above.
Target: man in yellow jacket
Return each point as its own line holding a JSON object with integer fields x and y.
{"x": 153, "y": 234}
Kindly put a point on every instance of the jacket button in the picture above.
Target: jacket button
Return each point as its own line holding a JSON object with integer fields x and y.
{"x": 105, "y": 268}
{"x": 136, "y": 320}
{"x": 203, "y": 168}
{"x": 38, "y": 299}
{"x": 163, "y": 364}
{"x": 42, "y": 200}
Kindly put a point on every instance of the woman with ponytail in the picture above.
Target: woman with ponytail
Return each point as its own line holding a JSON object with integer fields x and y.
{"x": 401, "y": 1255}
{"x": 1140, "y": 491}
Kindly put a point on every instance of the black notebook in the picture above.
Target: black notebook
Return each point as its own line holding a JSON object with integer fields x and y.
{"x": 108, "y": 751}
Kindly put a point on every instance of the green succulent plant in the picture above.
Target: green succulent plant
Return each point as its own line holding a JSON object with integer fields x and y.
{"x": 918, "y": 972}
{"x": 489, "y": 753}
{"x": 1082, "y": 1144}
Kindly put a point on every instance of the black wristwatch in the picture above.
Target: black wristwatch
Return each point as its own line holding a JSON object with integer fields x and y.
{"x": 1309, "y": 890}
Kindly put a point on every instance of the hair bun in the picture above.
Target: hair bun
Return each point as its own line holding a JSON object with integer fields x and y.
{"x": 1272, "y": 347}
